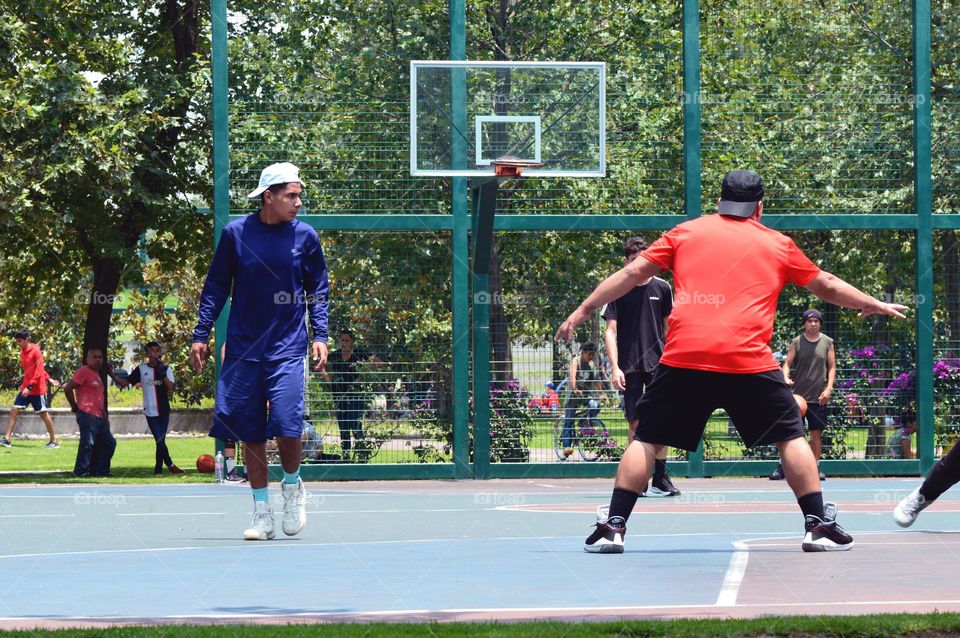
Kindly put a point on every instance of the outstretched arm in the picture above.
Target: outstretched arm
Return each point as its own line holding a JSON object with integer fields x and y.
{"x": 613, "y": 287}
{"x": 835, "y": 290}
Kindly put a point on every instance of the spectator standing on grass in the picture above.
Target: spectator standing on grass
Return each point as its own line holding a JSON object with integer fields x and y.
{"x": 85, "y": 394}
{"x": 156, "y": 381}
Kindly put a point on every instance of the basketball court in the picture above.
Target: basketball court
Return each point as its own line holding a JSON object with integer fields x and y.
{"x": 469, "y": 550}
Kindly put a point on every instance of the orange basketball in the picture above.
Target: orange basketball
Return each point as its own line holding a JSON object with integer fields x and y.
{"x": 206, "y": 464}
{"x": 802, "y": 404}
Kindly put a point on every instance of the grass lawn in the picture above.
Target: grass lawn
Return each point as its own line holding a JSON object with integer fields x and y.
{"x": 132, "y": 462}
{"x": 118, "y": 398}
{"x": 879, "y": 626}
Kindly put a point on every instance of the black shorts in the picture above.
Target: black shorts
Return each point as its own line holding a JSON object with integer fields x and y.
{"x": 816, "y": 416}
{"x": 677, "y": 404}
{"x": 635, "y": 382}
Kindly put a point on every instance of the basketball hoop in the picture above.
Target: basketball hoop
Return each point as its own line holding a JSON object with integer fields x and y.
{"x": 512, "y": 167}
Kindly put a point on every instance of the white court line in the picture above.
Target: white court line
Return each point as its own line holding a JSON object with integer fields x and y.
{"x": 37, "y": 515}
{"x": 176, "y": 514}
{"x": 734, "y": 576}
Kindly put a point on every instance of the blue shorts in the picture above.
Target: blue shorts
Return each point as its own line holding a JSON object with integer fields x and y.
{"x": 38, "y": 401}
{"x": 240, "y": 410}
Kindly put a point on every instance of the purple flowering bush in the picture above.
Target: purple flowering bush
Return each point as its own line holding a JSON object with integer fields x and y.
{"x": 946, "y": 391}
{"x": 598, "y": 445}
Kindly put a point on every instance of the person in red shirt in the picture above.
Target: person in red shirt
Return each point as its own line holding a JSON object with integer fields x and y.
{"x": 33, "y": 390}
{"x": 728, "y": 271}
{"x": 85, "y": 393}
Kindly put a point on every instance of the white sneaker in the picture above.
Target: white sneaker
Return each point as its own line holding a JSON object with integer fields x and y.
{"x": 907, "y": 510}
{"x": 294, "y": 507}
{"x": 262, "y": 527}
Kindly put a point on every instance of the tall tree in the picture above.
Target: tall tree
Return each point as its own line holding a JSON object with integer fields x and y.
{"x": 104, "y": 137}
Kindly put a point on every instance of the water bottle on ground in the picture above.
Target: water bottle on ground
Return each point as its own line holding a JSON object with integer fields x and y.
{"x": 218, "y": 467}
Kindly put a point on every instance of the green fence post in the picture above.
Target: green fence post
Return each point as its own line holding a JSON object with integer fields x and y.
{"x": 484, "y": 210}
{"x": 923, "y": 201}
{"x": 221, "y": 157}
{"x": 692, "y": 168}
{"x": 460, "y": 254}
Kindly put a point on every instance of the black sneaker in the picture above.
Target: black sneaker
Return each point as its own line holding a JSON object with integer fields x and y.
{"x": 777, "y": 473}
{"x": 233, "y": 476}
{"x": 825, "y": 535}
{"x": 663, "y": 487}
{"x": 608, "y": 537}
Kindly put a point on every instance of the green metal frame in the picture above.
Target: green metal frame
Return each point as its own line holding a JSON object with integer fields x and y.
{"x": 468, "y": 281}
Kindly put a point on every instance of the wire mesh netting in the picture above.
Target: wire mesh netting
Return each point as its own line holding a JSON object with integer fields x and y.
{"x": 353, "y": 156}
{"x": 537, "y": 285}
{"x": 385, "y": 394}
{"x": 945, "y": 106}
{"x": 946, "y": 354}
{"x": 829, "y": 132}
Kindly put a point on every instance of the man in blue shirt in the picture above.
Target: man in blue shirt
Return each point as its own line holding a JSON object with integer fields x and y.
{"x": 273, "y": 269}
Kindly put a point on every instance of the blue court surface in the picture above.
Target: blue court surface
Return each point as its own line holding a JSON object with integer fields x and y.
{"x": 466, "y": 550}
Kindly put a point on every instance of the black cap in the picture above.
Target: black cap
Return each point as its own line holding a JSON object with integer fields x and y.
{"x": 739, "y": 193}
{"x": 588, "y": 346}
{"x": 812, "y": 314}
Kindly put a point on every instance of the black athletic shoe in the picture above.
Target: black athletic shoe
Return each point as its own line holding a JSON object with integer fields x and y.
{"x": 233, "y": 476}
{"x": 777, "y": 473}
{"x": 825, "y": 535}
{"x": 663, "y": 487}
{"x": 608, "y": 537}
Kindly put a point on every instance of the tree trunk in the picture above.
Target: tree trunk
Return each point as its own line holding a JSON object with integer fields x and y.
{"x": 96, "y": 331}
{"x": 106, "y": 281}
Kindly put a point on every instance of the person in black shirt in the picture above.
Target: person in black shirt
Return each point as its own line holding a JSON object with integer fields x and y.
{"x": 636, "y": 327}
{"x": 156, "y": 381}
{"x": 341, "y": 372}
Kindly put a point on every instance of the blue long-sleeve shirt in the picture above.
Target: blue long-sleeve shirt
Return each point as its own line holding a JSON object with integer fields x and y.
{"x": 276, "y": 272}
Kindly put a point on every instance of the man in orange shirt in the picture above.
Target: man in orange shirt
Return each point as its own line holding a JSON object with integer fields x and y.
{"x": 728, "y": 271}
{"x": 33, "y": 390}
{"x": 85, "y": 395}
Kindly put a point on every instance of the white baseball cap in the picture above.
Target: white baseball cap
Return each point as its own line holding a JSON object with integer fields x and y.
{"x": 280, "y": 173}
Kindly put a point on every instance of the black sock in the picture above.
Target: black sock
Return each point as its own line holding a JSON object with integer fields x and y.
{"x": 622, "y": 502}
{"x": 811, "y": 504}
{"x": 659, "y": 469}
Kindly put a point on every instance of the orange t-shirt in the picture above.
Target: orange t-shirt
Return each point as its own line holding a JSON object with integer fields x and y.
{"x": 89, "y": 391}
{"x": 727, "y": 275}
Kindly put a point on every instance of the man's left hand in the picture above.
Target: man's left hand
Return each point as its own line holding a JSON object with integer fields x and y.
{"x": 824, "y": 397}
{"x": 319, "y": 355}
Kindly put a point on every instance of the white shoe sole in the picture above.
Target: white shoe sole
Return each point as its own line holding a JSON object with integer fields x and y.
{"x": 824, "y": 545}
{"x": 604, "y": 548}
{"x": 656, "y": 491}
{"x": 254, "y": 535}
{"x": 903, "y": 520}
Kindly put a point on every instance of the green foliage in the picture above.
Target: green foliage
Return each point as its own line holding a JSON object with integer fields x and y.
{"x": 511, "y": 426}
{"x": 150, "y": 317}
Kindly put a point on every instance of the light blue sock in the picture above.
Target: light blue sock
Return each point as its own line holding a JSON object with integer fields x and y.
{"x": 260, "y": 495}
{"x": 291, "y": 478}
